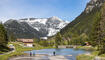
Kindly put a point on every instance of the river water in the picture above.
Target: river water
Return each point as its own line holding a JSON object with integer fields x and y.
{"x": 62, "y": 52}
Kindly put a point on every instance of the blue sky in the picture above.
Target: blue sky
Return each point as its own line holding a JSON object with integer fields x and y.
{"x": 64, "y": 9}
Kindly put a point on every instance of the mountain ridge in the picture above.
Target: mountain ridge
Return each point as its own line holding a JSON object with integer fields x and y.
{"x": 41, "y": 27}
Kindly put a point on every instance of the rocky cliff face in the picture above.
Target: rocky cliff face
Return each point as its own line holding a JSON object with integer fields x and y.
{"x": 35, "y": 27}
{"x": 93, "y": 4}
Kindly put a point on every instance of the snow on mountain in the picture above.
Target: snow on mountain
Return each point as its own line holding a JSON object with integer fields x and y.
{"x": 52, "y": 31}
{"x": 52, "y": 25}
{"x": 35, "y": 22}
{"x": 45, "y": 26}
{"x": 43, "y": 21}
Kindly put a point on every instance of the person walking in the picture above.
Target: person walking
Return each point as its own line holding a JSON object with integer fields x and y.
{"x": 30, "y": 53}
{"x": 54, "y": 53}
{"x": 33, "y": 53}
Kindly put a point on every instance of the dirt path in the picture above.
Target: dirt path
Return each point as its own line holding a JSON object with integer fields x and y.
{"x": 44, "y": 57}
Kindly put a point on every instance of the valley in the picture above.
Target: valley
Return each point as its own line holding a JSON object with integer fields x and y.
{"x": 54, "y": 38}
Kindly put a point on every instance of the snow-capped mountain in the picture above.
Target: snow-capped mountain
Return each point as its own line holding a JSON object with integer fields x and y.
{"x": 45, "y": 27}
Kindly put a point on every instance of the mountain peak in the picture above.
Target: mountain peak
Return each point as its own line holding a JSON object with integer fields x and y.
{"x": 55, "y": 18}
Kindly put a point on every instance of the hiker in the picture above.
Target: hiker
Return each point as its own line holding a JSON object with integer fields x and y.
{"x": 30, "y": 53}
{"x": 54, "y": 53}
{"x": 33, "y": 53}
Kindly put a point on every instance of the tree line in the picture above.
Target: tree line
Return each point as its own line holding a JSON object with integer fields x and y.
{"x": 3, "y": 38}
{"x": 98, "y": 31}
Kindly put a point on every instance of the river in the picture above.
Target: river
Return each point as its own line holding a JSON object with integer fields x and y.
{"x": 68, "y": 53}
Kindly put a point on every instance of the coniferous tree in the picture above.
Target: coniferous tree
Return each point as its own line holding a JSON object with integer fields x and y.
{"x": 3, "y": 36}
{"x": 12, "y": 38}
{"x": 98, "y": 33}
{"x": 95, "y": 31}
{"x": 58, "y": 40}
{"x": 102, "y": 32}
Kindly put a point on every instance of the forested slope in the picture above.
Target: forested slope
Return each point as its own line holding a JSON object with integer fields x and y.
{"x": 83, "y": 24}
{"x": 3, "y": 39}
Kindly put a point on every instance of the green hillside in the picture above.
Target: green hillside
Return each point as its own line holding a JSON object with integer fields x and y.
{"x": 88, "y": 27}
{"x": 82, "y": 24}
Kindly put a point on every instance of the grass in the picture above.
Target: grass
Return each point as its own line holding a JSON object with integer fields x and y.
{"x": 95, "y": 53}
{"x": 19, "y": 50}
{"x": 86, "y": 48}
{"x": 91, "y": 56}
{"x": 103, "y": 55}
{"x": 85, "y": 57}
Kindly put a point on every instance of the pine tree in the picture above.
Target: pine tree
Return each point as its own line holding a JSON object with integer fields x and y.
{"x": 95, "y": 30}
{"x": 98, "y": 33}
{"x": 3, "y": 36}
{"x": 12, "y": 38}
{"x": 58, "y": 40}
{"x": 102, "y": 32}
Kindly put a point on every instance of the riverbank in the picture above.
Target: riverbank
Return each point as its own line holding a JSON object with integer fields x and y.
{"x": 89, "y": 48}
{"x": 19, "y": 50}
{"x": 91, "y": 56}
{"x": 43, "y": 57}
{"x": 85, "y": 56}
{"x": 64, "y": 52}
